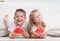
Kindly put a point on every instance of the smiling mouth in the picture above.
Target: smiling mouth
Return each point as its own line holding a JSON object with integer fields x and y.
{"x": 18, "y": 21}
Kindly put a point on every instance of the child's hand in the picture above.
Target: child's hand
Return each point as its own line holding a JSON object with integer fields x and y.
{"x": 34, "y": 35}
{"x": 12, "y": 35}
{"x": 26, "y": 35}
{"x": 19, "y": 30}
{"x": 43, "y": 35}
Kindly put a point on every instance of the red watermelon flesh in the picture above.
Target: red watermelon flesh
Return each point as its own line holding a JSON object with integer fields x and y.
{"x": 39, "y": 30}
{"x": 19, "y": 30}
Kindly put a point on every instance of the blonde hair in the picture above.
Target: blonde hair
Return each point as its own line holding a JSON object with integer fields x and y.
{"x": 31, "y": 21}
{"x": 31, "y": 18}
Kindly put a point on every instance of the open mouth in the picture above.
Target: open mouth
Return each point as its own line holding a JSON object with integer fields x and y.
{"x": 18, "y": 21}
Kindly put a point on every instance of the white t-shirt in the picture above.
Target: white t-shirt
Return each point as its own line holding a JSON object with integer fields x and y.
{"x": 13, "y": 25}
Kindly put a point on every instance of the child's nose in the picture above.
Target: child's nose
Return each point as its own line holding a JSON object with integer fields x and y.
{"x": 19, "y": 17}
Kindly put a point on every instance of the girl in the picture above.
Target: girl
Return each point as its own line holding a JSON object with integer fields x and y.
{"x": 35, "y": 21}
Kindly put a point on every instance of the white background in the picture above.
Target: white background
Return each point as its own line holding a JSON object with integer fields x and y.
{"x": 49, "y": 9}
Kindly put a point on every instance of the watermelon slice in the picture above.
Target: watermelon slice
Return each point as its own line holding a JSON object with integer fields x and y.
{"x": 39, "y": 30}
{"x": 18, "y": 30}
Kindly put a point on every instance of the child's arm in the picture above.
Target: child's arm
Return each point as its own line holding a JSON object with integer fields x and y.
{"x": 6, "y": 21}
{"x": 26, "y": 35}
{"x": 32, "y": 34}
{"x": 43, "y": 35}
{"x": 12, "y": 35}
{"x": 20, "y": 30}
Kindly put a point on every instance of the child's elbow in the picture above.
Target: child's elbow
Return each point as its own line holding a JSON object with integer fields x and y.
{"x": 27, "y": 36}
{"x": 43, "y": 37}
{"x": 11, "y": 37}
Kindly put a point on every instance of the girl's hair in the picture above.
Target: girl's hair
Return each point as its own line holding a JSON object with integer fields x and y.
{"x": 21, "y": 10}
{"x": 31, "y": 18}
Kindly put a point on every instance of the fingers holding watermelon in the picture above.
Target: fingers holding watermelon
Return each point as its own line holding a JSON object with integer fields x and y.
{"x": 12, "y": 35}
{"x": 43, "y": 35}
{"x": 26, "y": 35}
{"x": 19, "y": 30}
{"x": 39, "y": 30}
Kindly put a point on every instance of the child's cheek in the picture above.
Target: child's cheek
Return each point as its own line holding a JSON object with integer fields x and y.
{"x": 23, "y": 19}
{"x": 34, "y": 19}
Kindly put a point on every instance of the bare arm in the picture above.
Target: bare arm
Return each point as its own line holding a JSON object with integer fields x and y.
{"x": 26, "y": 35}
{"x": 43, "y": 35}
{"x": 32, "y": 34}
{"x": 12, "y": 35}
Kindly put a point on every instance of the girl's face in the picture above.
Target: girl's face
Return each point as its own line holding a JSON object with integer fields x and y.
{"x": 37, "y": 17}
{"x": 19, "y": 18}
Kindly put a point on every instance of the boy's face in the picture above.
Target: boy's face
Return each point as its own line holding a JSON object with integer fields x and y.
{"x": 37, "y": 17}
{"x": 19, "y": 18}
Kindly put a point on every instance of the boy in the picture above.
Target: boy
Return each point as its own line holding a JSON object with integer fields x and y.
{"x": 19, "y": 20}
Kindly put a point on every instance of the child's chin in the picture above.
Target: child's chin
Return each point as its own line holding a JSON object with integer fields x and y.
{"x": 19, "y": 23}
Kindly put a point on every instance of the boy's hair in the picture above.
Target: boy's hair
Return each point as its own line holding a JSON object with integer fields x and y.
{"x": 21, "y": 10}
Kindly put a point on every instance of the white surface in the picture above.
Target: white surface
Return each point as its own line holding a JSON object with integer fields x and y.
{"x": 19, "y": 39}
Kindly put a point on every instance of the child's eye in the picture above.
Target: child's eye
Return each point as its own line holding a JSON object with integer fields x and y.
{"x": 39, "y": 15}
{"x": 21, "y": 16}
{"x": 17, "y": 16}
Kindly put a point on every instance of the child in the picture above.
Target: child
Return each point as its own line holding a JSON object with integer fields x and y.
{"x": 19, "y": 20}
{"x": 35, "y": 21}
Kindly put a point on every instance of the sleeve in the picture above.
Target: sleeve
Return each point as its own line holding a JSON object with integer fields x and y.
{"x": 25, "y": 24}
